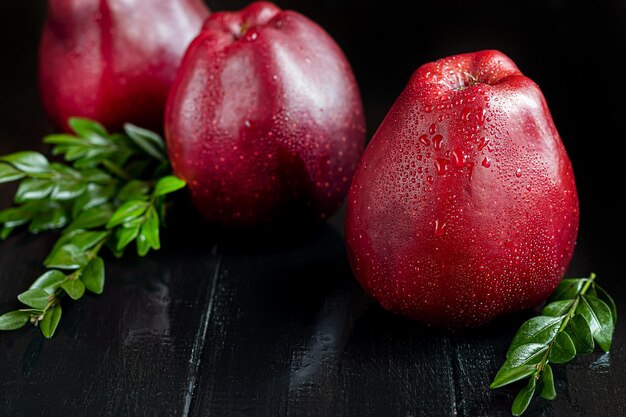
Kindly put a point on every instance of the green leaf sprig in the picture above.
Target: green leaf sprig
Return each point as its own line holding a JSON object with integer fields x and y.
{"x": 578, "y": 315}
{"x": 110, "y": 192}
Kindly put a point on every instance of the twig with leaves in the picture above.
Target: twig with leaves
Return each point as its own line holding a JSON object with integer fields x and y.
{"x": 110, "y": 192}
{"x": 578, "y": 314}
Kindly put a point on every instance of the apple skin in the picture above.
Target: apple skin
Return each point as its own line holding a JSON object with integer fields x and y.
{"x": 265, "y": 120}
{"x": 464, "y": 206}
{"x": 114, "y": 60}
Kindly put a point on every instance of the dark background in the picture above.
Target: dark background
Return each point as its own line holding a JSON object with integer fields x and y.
{"x": 277, "y": 326}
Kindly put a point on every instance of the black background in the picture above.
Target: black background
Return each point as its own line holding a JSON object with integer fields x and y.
{"x": 255, "y": 318}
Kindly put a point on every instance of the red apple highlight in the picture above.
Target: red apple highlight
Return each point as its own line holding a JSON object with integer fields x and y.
{"x": 265, "y": 119}
{"x": 464, "y": 205}
{"x": 114, "y": 60}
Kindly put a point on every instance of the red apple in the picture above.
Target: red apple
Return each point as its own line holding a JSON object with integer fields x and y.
{"x": 464, "y": 205}
{"x": 114, "y": 60}
{"x": 264, "y": 120}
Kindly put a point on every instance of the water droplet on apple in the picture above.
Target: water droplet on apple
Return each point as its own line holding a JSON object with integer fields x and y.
{"x": 486, "y": 163}
{"x": 442, "y": 166}
{"x": 437, "y": 139}
{"x": 440, "y": 228}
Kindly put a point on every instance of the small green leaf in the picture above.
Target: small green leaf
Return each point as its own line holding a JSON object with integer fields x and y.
{"x": 33, "y": 189}
{"x": 578, "y": 330}
{"x": 563, "y": 349}
{"x": 5, "y": 232}
{"x": 150, "y": 229}
{"x": 127, "y": 212}
{"x": 86, "y": 127}
{"x": 14, "y": 320}
{"x": 148, "y": 141}
{"x": 53, "y": 218}
{"x": 27, "y": 161}
{"x": 8, "y": 173}
{"x": 50, "y": 321}
{"x": 16, "y": 216}
{"x": 600, "y": 320}
{"x": 541, "y": 329}
{"x": 520, "y": 404}
{"x": 557, "y": 308}
{"x": 49, "y": 281}
{"x": 134, "y": 190}
{"x": 548, "y": 391}
{"x": 91, "y": 218}
{"x": 64, "y": 139}
{"x": 67, "y": 257}
{"x": 95, "y": 195}
{"x": 125, "y": 235}
{"x": 142, "y": 245}
{"x": 67, "y": 190}
{"x": 168, "y": 185}
{"x": 93, "y": 276}
{"x": 87, "y": 240}
{"x": 35, "y": 298}
{"x": 567, "y": 289}
{"x": 507, "y": 376}
{"x": 604, "y": 296}
{"x": 74, "y": 288}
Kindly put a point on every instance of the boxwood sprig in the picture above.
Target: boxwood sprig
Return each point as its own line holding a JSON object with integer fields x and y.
{"x": 109, "y": 193}
{"x": 578, "y": 316}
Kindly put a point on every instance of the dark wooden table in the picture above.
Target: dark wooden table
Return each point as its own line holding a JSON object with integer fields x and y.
{"x": 218, "y": 324}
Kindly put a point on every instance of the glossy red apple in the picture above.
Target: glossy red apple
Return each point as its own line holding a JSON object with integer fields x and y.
{"x": 464, "y": 205}
{"x": 114, "y": 60}
{"x": 264, "y": 121}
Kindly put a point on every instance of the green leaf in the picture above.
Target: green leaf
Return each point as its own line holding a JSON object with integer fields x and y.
{"x": 563, "y": 349}
{"x": 16, "y": 216}
{"x": 567, "y": 289}
{"x": 35, "y": 298}
{"x": 520, "y": 363}
{"x": 74, "y": 288}
{"x": 14, "y": 320}
{"x": 50, "y": 321}
{"x": 168, "y": 185}
{"x": 604, "y": 296}
{"x": 86, "y": 127}
{"x": 49, "y": 281}
{"x": 507, "y": 376}
{"x": 548, "y": 391}
{"x": 91, "y": 218}
{"x": 93, "y": 276}
{"x": 64, "y": 139}
{"x": 125, "y": 235}
{"x": 541, "y": 329}
{"x": 600, "y": 320}
{"x": 578, "y": 330}
{"x": 87, "y": 240}
{"x": 557, "y": 308}
{"x": 150, "y": 229}
{"x": 95, "y": 195}
{"x": 134, "y": 190}
{"x": 142, "y": 245}
{"x": 54, "y": 217}
{"x": 5, "y": 232}
{"x": 520, "y": 404}
{"x": 8, "y": 173}
{"x": 27, "y": 161}
{"x": 67, "y": 257}
{"x": 127, "y": 212}
{"x": 67, "y": 190}
{"x": 148, "y": 141}
{"x": 33, "y": 189}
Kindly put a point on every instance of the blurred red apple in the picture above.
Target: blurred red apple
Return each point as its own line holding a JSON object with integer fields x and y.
{"x": 464, "y": 205}
{"x": 114, "y": 60}
{"x": 264, "y": 120}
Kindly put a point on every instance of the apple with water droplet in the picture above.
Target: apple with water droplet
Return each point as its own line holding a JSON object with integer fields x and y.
{"x": 114, "y": 60}
{"x": 264, "y": 121}
{"x": 464, "y": 206}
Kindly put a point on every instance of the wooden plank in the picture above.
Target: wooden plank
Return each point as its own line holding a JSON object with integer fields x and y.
{"x": 131, "y": 351}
